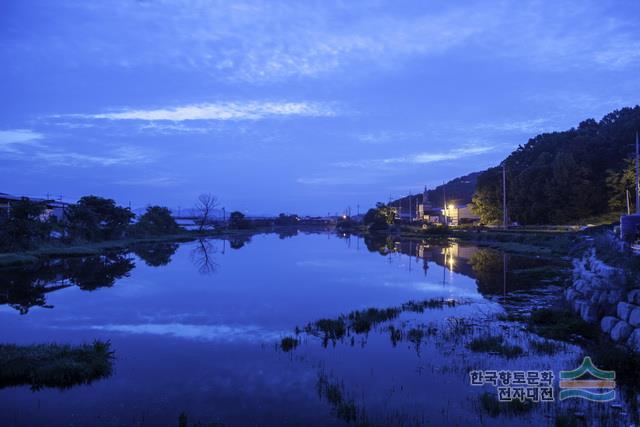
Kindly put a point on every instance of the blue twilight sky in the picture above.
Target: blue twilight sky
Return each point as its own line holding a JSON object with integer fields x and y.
{"x": 294, "y": 106}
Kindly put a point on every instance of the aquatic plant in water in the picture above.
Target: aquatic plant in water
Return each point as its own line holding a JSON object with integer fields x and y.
{"x": 362, "y": 321}
{"x": 53, "y": 365}
{"x": 494, "y": 345}
{"x": 288, "y": 343}
{"x": 344, "y": 406}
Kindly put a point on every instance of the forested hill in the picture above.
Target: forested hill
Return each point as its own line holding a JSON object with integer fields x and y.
{"x": 459, "y": 191}
{"x": 565, "y": 177}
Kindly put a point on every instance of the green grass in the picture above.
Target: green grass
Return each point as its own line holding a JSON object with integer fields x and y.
{"x": 603, "y": 219}
{"x": 332, "y": 329}
{"x": 560, "y": 324}
{"x": 494, "y": 344}
{"x": 493, "y": 407}
{"x": 53, "y": 365}
{"x": 523, "y": 241}
{"x": 567, "y": 420}
{"x": 415, "y": 335}
{"x": 564, "y": 325}
{"x": 421, "y": 306}
{"x": 362, "y": 321}
{"x": 606, "y": 355}
{"x": 95, "y": 248}
{"x": 16, "y": 259}
{"x": 83, "y": 249}
{"x": 545, "y": 347}
{"x": 526, "y": 241}
{"x": 510, "y": 317}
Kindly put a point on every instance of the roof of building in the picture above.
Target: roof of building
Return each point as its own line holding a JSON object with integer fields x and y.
{"x": 56, "y": 203}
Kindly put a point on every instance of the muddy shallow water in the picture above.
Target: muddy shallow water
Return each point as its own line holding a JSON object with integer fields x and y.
{"x": 197, "y": 331}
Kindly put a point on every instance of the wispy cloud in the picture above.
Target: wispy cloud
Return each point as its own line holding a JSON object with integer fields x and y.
{"x": 384, "y": 137}
{"x": 164, "y": 128}
{"x": 28, "y": 145}
{"x": 376, "y": 171}
{"x": 11, "y": 138}
{"x": 118, "y": 156}
{"x": 157, "y": 181}
{"x": 253, "y": 110}
{"x": 266, "y": 40}
{"x": 522, "y": 126}
{"x": 418, "y": 158}
{"x": 216, "y": 333}
{"x": 345, "y": 177}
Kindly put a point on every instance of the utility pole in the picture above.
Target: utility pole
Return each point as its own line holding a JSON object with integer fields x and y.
{"x": 628, "y": 205}
{"x": 504, "y": 195}
{"x": 637, "y": 174}
{"x": 444, "y": 203}
{"x": 410, "y": 206}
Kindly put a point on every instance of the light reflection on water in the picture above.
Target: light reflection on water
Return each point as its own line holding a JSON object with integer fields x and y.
{"x": 196, "y": 328}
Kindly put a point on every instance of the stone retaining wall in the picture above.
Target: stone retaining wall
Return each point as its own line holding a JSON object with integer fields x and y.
{"x": 599, "y": 295}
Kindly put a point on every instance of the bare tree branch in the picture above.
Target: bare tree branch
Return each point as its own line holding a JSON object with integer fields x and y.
{"x": 205, "y": 206}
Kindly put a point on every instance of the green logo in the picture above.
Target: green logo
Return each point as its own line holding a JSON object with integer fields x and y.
{"x": 600, "y": 387}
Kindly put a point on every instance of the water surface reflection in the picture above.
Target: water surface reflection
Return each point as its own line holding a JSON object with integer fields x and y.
{"x": 198, "y": 329}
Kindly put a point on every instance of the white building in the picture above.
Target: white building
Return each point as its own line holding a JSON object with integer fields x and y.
{"x": 53, "y": 209}
{"x": 457, "y": 215}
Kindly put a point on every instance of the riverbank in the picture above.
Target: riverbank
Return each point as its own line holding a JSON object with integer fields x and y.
{"x": 9, "y": 259}
{"x": 20, "y": 258}
{"x": 542, "y": 242}
{"x": 522, "y": 241}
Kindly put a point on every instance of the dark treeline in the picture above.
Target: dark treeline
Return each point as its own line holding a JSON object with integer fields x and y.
{"x": 29, "y": 224}
{"x": 458, "y": 191}
{"x": 563, "y": 177}
{"x": 92, "y": 219}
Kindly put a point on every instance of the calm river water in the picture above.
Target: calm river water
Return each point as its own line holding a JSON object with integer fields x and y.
{"x": 197, "y": 330}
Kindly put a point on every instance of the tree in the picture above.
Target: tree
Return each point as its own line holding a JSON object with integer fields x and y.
{"x": 284, "y": 219}
{"x": 379, "y": 218}
{"x": 487, "y": 200}
{"x": 564, "y": 177}
{"x": 618, "y": 183}
{"x": 97, "y": 218}
{"x": 237, "y": 220}
{"x": 157, "y": 220}
{"x": 25, "y": 225}
{"x": 375, "y": 220}
{"x": 205, "y": 206}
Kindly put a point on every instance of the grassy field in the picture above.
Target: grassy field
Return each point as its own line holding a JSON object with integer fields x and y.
{"x": 84, "y": 249}
{"x": 523, "y": 241}
{"x": 54, "y": 365}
